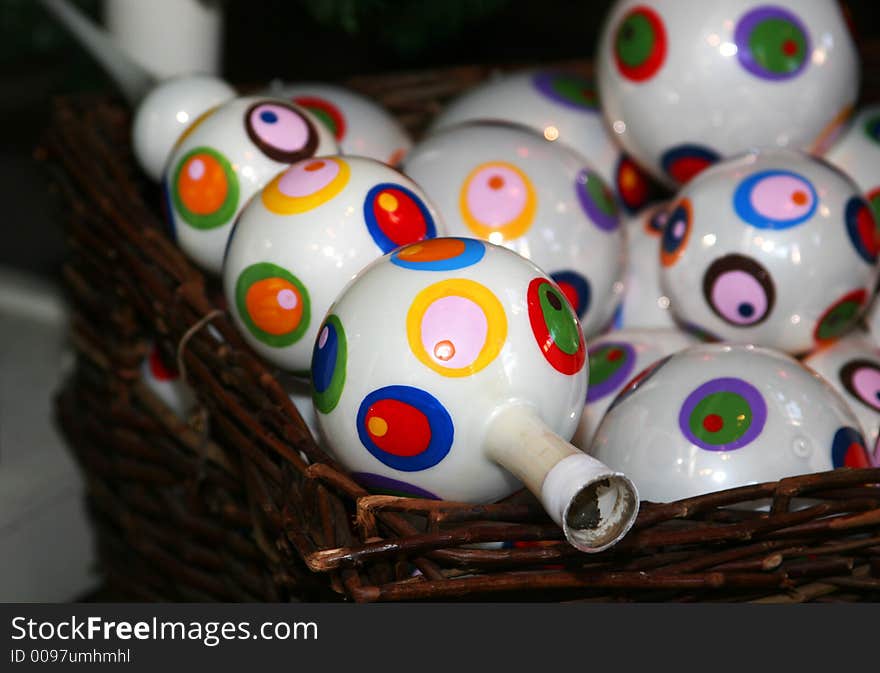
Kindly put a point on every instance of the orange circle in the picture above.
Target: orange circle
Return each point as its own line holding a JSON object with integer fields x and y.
{"x": 799, "y": 198}
{"x": 314, "y": 166}
{"x": 266, "y": 310}
{"x": 433, "y": 250}
{"x": 204, "y": 193}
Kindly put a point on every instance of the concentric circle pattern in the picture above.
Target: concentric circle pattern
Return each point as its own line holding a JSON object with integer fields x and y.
{"x": 555, "y": 327}
{"x": 306, "y": 185}
{"x": 772, "y": 43}
{"x": 576, "y": 289}
{"x": 498, "y": 200}
{"x": 684, "y": 162}
{"x": 396, "y": 216}
{"x": 280, "y": 131}
{"x": 739, "y": 290}
{"x": 723, "y": 414}
{"x": 329, "y": 114}
{"x": 861, "y": 378}
{"x": 273, "y": 304}
{"x": 640, "y": 44}
{"x": 596, "y": 200}
{"x": 848, "y": 449}
{"x": 405, "y": 428}
{"x": 840, "y": 316}
{"x": 863, "y": 230}
{"x": 440, "y": 254}
{"x": 204, "y": 188}
{"x": 456, "y": 327}
{"x": 611, "y": 365}
{"x": 329, "y": 361}
{"x": 567, "y": 89}
{"x": 676, "y": 233}
{"x": 775, "y": 199}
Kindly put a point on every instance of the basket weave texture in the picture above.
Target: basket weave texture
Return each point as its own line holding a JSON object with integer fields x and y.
{"x": 240, "y": 504}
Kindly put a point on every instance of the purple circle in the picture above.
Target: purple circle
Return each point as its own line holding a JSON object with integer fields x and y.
{"x": 744, "y": 31}
{"x": 747, "y": 391}
{"x": 378, "y": 482}
{"x": 604, "y": 218}
{"x": 545, "y": 83}
{"x": 619, "y": 378}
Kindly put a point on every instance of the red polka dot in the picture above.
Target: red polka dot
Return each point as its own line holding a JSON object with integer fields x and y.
{"x": 614, "y": 355}
{"x": 789, "y": 48}
{"x": 713, "y": 423}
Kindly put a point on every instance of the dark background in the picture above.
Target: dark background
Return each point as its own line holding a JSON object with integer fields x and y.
{"x": 289, "y": 39}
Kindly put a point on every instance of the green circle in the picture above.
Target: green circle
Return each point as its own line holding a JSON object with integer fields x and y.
{"x": 601, "y": 195}
{"x": 262, "y": 271}
{"x": 326, "y": 400}
{"x": 326, "y": 119}
{"x": 875, "y": 206}
{"x": 767, "y": 44}
{"x": 227, "y": 209}
{"x": 734, "y": 412}
{"x": 839, "y": 320}
{"x": 559, "y": 318}
{"x": 601, "y": 368}
{"x": 576, "y": 91}
{"x": 635, "y": 40}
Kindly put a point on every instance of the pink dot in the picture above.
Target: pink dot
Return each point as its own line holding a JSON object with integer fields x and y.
{"x": 196, "y": 169}
{"x": 287, "y": 299}
{"x": 322, "y": 339}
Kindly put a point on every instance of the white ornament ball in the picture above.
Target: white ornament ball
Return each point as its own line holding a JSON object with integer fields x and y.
{"x": 166, "y": 112}
{"x": 508, "y": 185}
{"x": 718, "y": 416}
{"x": 774, "y": 248}
{"x": 361, "y": 126}
{"x": 684, "y": 84}
{"x": 225, "y": 158}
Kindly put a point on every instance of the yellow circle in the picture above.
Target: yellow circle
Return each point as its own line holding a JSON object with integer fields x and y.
{"x": 509, "y": 230}
{"x": 496, "y": 323}
{"x": 282, "y": 204}
{"x": 388, "y": 202}
{"x": 378, "y": 427}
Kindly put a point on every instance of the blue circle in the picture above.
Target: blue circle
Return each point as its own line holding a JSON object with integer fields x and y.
{"x": 379, "y": 236}
{"x": 439, "y": 420}
{"x": 670, "y": 241}
{"x": 268, "y": 116}
{"x": 580, "y": 285}
{"x": 473, "y": 252}
{"x": 324, "y": 360}
{"x": 687, "y": 152}
{"x": 867, "y": 249}
{"x": 742, "y": 201}
{"x": 844, "y": 438}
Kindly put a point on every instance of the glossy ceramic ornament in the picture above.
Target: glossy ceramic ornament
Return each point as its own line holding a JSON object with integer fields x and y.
{"x": 224, "y": 158}
{"x": 857, "y": 153}
{"x": 167, "y": 111}
{"x": 164, "y": 381}
{"x": 361, "y": 126}
{"x": 852, "y": 367}
{"x": 506, "y": 184}
{"x": 684, "y": 84}
{"x": 614, "y": 359}
{"x": 644, "y": 305}
{"x": 776, "y": 248}
{"x": 718, "y": 416}
{"x": 564, "y": 108}
{"x": 304, "y": 236}
{"x": 454, "y": 369}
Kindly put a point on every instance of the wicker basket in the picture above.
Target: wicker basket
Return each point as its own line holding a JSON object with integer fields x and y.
{"x": 226, "y": 508}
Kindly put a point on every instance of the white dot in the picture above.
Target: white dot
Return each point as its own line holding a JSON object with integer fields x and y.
{"x": 619, "y": 127}
{"x": 287, "y": 299}
{"x": 182, "y": 117}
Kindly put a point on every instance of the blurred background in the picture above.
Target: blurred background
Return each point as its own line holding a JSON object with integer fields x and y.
{"x": 46, "y": 543}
